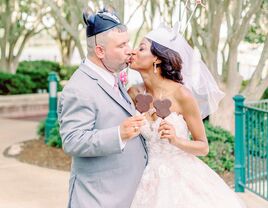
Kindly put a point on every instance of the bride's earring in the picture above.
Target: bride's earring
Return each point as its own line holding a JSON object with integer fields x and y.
{"x": 155, "y": 68}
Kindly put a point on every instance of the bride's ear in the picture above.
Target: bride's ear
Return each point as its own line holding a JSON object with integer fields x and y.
{"x": 157, "y": 61}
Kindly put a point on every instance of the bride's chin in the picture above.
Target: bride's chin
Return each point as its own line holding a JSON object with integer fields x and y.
{"x": 132, "y": 66}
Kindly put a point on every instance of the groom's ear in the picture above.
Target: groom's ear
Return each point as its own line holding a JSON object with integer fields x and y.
{"x": 99, "y": 50}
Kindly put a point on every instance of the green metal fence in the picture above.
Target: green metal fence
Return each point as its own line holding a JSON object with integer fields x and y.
{"x": 251, "y": 146}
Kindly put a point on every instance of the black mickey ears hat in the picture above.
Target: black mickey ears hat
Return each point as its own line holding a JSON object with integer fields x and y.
{"x": 100, "y": 22}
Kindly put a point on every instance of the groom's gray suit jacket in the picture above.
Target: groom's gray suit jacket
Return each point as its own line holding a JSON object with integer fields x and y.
{"x": 90, "y": 112}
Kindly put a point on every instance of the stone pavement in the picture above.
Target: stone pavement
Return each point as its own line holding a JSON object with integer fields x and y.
{"x": 28, "y": 186}
{"x": 23, "y": 185}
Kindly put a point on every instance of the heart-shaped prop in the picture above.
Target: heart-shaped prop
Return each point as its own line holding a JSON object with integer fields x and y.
{"x": 162, "y": 107}
{"x": 143, "y": 102}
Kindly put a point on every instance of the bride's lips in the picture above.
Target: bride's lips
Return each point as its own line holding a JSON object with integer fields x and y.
{"x": 131, "y": 60}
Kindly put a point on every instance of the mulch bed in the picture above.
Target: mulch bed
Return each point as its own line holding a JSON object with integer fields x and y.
{"x": 35, "y": 152}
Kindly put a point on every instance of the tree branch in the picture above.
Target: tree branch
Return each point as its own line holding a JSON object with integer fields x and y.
{"x": 240, "y": 30}
{"x": 140, "y": 28}
{"x": 256, "y": 77}
{"x": 134, "y": 12}
{"x": 66, "y": 25}
{"x": 258, "y": 90}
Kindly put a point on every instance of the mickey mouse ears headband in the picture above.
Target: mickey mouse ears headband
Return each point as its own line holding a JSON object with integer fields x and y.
{"x": 100, "y": 22}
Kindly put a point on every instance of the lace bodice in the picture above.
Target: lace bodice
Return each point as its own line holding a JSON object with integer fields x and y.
{"x": 156, "y": 145}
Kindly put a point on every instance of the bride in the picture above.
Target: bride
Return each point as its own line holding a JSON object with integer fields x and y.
{"x": 181, "y": 85}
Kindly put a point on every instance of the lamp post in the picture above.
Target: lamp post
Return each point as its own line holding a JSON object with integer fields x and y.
{"x": 240, "y": 179}
{"x": 52, "y": 112}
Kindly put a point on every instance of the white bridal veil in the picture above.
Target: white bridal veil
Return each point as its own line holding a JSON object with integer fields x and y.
{"x": 196, "y": 76}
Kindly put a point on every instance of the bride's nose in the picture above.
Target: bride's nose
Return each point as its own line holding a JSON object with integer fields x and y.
{"x": 133, "y": 52}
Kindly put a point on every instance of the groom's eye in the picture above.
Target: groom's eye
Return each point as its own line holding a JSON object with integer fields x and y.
{"x": 141, "y": 49}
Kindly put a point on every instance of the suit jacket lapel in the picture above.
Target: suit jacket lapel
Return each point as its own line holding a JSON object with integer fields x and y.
{"x": 107, "y": 88}
{"x": 116, "y": 97}
{"x": 126, "y": 96}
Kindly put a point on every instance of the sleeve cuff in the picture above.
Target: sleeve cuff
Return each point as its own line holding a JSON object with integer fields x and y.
{"x": 122, "y": 143}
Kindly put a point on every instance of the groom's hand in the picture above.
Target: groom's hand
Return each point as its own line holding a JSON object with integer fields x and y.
{"x": 130, "y": 127}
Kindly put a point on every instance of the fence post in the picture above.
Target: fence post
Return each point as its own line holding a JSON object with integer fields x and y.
{"x": 52, "y": 112}
{"x": 240, "y": 179}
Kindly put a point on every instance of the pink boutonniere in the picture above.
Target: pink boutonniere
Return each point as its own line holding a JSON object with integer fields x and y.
{"x": 123, "y": 77}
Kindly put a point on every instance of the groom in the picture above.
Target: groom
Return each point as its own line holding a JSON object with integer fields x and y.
{"x": 98, "y": 125}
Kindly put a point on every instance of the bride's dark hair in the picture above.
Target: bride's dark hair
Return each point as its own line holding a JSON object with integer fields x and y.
{"x": 171, "y": 64}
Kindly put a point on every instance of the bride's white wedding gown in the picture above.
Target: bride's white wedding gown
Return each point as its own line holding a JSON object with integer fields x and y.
{"x": 176, "y": 179}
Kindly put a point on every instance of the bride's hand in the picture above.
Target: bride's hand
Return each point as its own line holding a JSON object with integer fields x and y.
{"x": 167, "y": 131}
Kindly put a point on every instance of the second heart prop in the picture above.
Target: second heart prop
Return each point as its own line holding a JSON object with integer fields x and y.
{"x": 162, "y": 107}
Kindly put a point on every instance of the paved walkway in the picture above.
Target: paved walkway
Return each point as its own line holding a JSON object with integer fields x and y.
{"x": 23, "y": 185}
{"x": 28, "y": 186}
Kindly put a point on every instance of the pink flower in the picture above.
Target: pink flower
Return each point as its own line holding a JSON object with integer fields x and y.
{"x": 123, "y": 77}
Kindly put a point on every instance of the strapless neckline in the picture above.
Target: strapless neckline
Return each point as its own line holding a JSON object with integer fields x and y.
{"x": 173, "y": 113}
{"x": 150, "y": 129}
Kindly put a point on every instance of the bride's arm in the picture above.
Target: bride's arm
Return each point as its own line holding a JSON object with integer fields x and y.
{"x": 191, "y": 114}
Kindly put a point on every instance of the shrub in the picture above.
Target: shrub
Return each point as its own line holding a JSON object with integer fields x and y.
{"x": 38, "y": 72}
{"x": 265, "y": 94}
{"x": 11, "y": 84}
{"x": 41, "y": 128}
{"x": 221, "y": 143}
{"x": 221, "y": 149}
{"x": 54, "y": 139}
{"x": 67, "y": 71}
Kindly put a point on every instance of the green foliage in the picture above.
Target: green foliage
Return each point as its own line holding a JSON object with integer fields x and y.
{"x": 265, "y": 94}
{"x": 255, "y": 35}
{"x": 54, "y": 139}
{"x": 41, "y": 128}
{"x": 38, "y": 72}
{"x": 11, "y": 84}
{"x": 67, "y": 71}
{"x": 221, "y": 149}
{"x": 243, "y": 85}
{"x": 258, "y": 31}
{"x": 221, "y": 143}
{"x": 32, "y": 76}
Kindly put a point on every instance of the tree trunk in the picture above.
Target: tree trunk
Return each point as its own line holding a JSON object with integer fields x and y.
{"x": 65, "y": 57}
{"x": 80, "y": 50}
{"x": 9, "y": 66}
{"x": 66, "y": 49}
{"x": 3, "y": 65}
{"x": 224, "y": 117}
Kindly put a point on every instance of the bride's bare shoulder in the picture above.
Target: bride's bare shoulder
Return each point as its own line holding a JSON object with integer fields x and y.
{"x": 134, "y": 90}
{"x": 183, "y": 94}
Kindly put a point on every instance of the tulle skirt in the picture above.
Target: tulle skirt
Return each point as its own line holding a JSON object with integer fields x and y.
{"x": 181, "y": 180}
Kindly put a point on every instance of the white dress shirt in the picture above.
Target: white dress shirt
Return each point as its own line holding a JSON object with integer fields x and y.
{"x": 110, "y": 79}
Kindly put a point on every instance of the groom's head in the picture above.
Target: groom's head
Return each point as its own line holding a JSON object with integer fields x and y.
{"x": 107, "y": 40}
